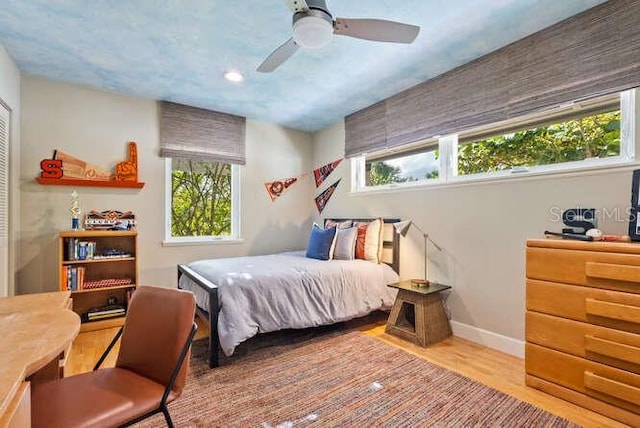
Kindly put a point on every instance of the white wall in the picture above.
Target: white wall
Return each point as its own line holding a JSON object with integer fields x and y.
{"x": 95, "y": 126}
{"x": 483, "y": 228}
{"x": 10, "y": 96}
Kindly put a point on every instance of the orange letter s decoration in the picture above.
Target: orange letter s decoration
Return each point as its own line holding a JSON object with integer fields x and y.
{"x": 51, "y": 168}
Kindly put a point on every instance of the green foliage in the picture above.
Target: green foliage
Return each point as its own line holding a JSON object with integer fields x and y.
{"x": 201, "y": 198}
{"x": 435, "y": 173}
{"x": 573, "y": 140}
{"x": 382, "y": 173}
{"x": 432, "y": 174}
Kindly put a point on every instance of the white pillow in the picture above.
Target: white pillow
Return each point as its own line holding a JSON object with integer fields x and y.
{"x": 373, "y": 241}
{"x": 345, "y": 244}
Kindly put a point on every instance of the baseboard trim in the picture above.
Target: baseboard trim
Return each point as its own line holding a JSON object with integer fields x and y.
{"x": 490, "y": 339}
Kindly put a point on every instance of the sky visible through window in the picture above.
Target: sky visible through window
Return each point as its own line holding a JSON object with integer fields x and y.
{"x": 415, "y": 167}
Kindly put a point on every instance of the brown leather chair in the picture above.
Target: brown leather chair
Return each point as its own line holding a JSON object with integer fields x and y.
{"x": 149, "y": 371}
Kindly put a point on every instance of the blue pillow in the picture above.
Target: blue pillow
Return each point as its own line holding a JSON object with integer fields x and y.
{"x": 320, "y": 242}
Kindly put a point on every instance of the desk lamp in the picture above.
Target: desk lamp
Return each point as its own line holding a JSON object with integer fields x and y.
{"x": 402, "y": 227}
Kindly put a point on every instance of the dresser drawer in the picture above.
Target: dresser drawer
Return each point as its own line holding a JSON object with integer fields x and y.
{"x": 612, "y": 309}
{"x": 608, "y": 384}
{"x": 612, "y": 347}
{"x": 590, "y": 268}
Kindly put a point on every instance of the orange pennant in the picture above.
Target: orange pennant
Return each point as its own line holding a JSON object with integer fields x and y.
{"x": 276, "y": 188}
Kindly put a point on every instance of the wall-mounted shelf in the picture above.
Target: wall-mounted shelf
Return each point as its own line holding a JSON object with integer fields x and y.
{"x": 89, "y": 183}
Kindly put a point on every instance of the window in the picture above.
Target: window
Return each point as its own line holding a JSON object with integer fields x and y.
{"x": 403, "y": 167}
{"x": 590, "y": 133}
{"x": 202, "y": 201}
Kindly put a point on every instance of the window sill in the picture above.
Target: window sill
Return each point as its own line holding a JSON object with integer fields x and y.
{"x": 484, "y": 179}
{"x": 201, "y": 241}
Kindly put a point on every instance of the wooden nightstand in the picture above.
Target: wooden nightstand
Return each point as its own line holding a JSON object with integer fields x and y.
{"x": 418, "y": 314}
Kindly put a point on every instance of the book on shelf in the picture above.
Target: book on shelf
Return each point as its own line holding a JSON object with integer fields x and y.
{"x": 106, "y": 308}
{"x": 119, "y": 310}
{"x": 109, "y": 311}
{"x": 106, "y": 282}
{"x": 80, "y": 250}
{"x": 71, "y": 249}
{"x": 104, "y": 316}
{"x": 73, "y": 277}
{"x": 119, "y": 256}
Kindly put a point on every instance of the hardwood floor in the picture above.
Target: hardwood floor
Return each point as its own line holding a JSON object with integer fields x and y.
{"x": 490, "y": 367}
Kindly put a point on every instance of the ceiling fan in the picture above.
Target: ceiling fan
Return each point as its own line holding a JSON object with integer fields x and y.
{"x": 314, "y": 27}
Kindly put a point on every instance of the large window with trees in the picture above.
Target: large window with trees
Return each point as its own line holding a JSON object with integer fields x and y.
{"x": 203, "y": 201}
{"x": 591, "y": 133}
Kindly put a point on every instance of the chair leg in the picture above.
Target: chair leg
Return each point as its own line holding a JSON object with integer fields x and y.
{"x": 167, "y": 416}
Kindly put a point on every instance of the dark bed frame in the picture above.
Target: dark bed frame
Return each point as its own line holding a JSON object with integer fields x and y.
{"x": 210, "y": 318}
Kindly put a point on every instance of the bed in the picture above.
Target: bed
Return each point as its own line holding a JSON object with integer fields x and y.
{"x": 240, "y": 297}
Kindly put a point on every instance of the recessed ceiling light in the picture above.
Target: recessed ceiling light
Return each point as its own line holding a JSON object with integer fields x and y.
{"x": 233, "y": 76}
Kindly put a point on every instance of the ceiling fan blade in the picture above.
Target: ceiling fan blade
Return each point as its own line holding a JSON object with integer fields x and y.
{"x": 378, "y": 30}
{"x": 297, "y": 5}
{"x": 277, "y": 57}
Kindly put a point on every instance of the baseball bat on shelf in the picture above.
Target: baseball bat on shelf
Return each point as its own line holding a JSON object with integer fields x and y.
{"x": 616, "y": 238}
{"x": 580, "y": 237}
{"x": 577, "y": 236}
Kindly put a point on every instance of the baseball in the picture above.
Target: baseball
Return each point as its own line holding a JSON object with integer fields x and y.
{"x": 596, "y": 234}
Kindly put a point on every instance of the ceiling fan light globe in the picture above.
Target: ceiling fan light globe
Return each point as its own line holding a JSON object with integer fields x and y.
{"x": 312, "y": 32}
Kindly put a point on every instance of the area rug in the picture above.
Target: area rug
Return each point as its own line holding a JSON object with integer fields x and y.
{"x": 340, "y": 379}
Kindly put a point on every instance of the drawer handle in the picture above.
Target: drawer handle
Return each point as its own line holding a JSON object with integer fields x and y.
{"x": 612, "y": 388}
{"x": 611, "y": 271}
{"x": 612, "y": 349}
{"x": 616, "y": 311}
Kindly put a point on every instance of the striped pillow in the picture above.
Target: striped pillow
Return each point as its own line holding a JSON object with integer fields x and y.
{"x": 369, "y": 240}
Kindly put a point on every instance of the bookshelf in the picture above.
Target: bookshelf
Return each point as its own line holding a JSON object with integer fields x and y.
{"x": 99, "y": 268}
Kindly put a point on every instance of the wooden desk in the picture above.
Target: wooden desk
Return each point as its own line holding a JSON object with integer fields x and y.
{"x": 36, "y": 329}
{"x": 418, "y": 313}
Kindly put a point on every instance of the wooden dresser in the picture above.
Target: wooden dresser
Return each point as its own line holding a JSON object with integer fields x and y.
{"x": 583, "y": 324}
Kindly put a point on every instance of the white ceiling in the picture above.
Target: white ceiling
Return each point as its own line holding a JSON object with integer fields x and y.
{"x": 177, "y": 50}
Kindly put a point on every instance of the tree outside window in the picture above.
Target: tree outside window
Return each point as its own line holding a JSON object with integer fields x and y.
{"x": 403, "y": 168}
{"x": 593, "y": 136}
{"x": 201, "y": 198}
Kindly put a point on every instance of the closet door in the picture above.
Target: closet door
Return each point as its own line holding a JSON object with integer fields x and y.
{"x": 4, "y": 200}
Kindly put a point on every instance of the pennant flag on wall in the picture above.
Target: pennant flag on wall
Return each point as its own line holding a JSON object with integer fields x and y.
{"x": 323, "y": 198}
{"x": 277, "y": 188}
{"x": 323, "y": 172}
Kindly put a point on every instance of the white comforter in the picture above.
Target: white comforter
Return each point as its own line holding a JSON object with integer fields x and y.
{"x": 260, "y": 294}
